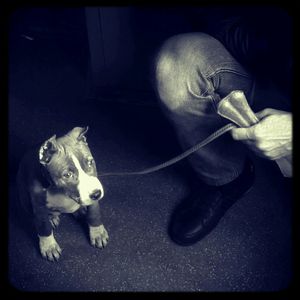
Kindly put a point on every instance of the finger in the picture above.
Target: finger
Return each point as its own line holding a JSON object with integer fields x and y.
{"x": 267, "y": 112}
{"x": 277, "y": 148}
{"x": 275, "y": 154}
{"x": 267, "y": 153}
{"x": 263, "y": 113}
{"x": 241, "y": 134}
{"x": 267, "y": 146}
{"x": 257, "y": 145}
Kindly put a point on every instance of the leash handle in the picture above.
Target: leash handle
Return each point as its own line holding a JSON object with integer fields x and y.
{"x": 235, "y": 108}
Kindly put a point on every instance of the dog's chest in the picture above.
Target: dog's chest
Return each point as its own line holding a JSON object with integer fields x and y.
{"x": 60, "y": 202}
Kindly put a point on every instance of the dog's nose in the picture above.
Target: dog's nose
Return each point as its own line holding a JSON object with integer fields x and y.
{"x": 95, "y": 195}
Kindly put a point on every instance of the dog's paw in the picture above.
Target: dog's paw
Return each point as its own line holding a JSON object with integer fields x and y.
{"x": 54, "y": 220}
{"x": 98, "y": 236}
{"x": 49, "y": 248}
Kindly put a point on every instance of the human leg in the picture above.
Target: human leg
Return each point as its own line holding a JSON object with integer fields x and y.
{"x": 193, "y": 73}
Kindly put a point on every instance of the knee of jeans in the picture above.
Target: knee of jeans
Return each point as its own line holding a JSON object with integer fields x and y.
{"x": 169, "y": 80}
{"x": 173, "y": 70}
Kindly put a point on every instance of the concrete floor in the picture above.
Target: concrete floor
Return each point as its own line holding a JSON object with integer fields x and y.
{"x": 250, "y": 250}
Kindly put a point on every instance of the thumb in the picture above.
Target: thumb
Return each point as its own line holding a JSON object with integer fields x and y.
{"x": 266, "y": 112}
{"x": 241, "y": 134}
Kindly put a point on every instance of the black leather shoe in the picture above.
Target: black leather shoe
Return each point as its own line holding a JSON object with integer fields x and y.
{"x": 198, "y": 215}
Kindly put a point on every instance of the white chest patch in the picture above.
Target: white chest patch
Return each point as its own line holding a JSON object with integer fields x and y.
{"x": 87, "y": 184}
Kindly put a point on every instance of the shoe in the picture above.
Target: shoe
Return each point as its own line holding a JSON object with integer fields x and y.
{"x": 198, "y": 215}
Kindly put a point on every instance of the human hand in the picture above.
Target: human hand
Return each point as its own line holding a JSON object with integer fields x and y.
{"x": 271, "y": 137}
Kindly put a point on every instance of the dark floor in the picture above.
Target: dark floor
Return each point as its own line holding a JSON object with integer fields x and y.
{"x": 250, "y": 250}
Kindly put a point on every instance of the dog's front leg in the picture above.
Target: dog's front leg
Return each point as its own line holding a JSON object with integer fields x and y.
{"x": 49, "y": 248}
{"x": 98, "y": 234}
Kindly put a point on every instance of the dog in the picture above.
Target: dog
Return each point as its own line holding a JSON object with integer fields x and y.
{"x": 60, "y": 176}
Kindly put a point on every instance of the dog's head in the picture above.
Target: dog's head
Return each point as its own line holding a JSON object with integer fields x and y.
{"x": 71, "y": 166}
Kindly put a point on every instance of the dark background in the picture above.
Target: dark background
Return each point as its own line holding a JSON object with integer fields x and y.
{"x": 93, "y": 66}
{"x": 116, "y": 45}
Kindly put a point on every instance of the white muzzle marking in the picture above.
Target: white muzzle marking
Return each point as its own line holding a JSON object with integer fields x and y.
{"x": 86, "y": 184}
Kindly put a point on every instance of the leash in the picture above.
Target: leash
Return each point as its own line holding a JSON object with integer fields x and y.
{"x": 176, "y": 159}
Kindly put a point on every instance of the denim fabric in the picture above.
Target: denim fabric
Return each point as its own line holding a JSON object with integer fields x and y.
{"x": 193, "y": 72}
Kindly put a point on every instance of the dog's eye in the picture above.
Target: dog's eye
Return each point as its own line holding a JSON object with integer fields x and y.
{"x": 67, "y": 174}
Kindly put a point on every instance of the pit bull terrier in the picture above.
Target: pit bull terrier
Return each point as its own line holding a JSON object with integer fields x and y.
{"x": 61, "y": 177}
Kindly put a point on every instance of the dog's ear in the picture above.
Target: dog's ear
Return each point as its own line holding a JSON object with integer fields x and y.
{"x": 47, "y": 150}
{"x": 78, "y": 133}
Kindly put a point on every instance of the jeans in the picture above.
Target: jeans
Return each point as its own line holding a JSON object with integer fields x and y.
{"x": 193, "y": 72}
